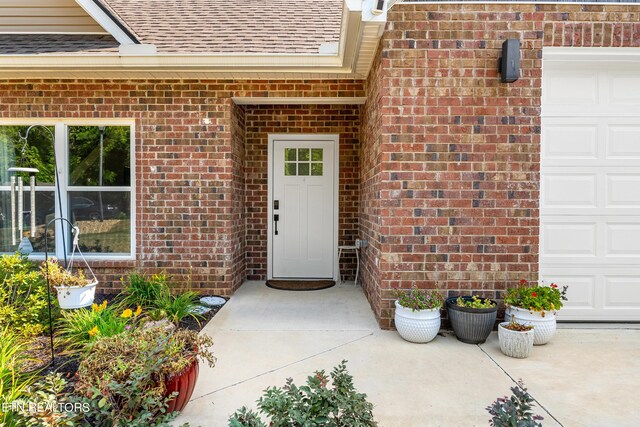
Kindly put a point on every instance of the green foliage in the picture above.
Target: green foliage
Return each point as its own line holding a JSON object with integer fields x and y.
{"x": 80, "y": 329}
{"x": 58, "y": 276}
{"x": 313, "y": 404}
{"x": 154, "y": 294}
{"x": 122, "y": 378}
{"x": 514, "y": 411}
{"x": 419, "y": 299}
{"x": 23, "y": 296}
{"x": 13, "y": 383}
{"x": 537, "y": 298}
{"x": 38, "y": 152}
{"x": 475, "y": 302}
{"x": 47, "y": 403}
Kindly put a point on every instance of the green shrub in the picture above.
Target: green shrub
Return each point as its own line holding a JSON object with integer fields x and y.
{"x": 13, "y": 383}
{"x": 48, "y": 403}
{"x": 154, "y": 294}
{"x": 23, "y": 296}
{"x": 80, "y": 329}
{"x": 122, "y": 378}
{"x": 514, "y": 411}
{"x": 314, "y": 404}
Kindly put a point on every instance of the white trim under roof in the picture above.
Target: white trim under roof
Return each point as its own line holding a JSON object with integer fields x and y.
{"x": 359, "y": 37}
{"x": 298, "y": 101}
{"x": 107, "y": 22}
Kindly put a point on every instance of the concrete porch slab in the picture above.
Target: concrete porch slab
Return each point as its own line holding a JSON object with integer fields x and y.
{"x": 263, "y": 336}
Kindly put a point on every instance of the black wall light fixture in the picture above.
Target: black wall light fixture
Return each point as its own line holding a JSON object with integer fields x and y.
{"x": 509, "y": 64}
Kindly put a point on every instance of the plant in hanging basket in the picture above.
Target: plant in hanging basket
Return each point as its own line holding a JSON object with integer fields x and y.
{"x": 74, "y": 289}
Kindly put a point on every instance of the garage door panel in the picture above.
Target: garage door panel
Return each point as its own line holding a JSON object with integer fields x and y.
{"x": 623, "y": 141}
{"x": 624, "y": 88}
{"x": 577, "y": 140}
{"x": 597, "y": 292}
{"x": 623, "y": 191}
{"x": 621, "y": 292}
{"x": 623, "y": 239}
{"x": 590, "y": 240}
{"x": 563, "y": 87}
{"x": 566, "y": 189}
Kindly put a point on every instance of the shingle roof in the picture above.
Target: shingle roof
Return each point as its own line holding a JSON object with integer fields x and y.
{"x": 19, "y": 44}
{"x": 232, "y": 26}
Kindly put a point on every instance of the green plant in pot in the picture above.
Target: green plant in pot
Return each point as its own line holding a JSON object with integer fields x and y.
{"x": 535, "y": 305}
{"x": 472, "y": 317}
{"x": 516, "y": 339}
{"x": 139, "y": 378}
{"x": 417, "y": 314}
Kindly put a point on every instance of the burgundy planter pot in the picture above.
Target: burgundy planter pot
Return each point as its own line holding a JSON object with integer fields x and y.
{"x": 183, "y": 383}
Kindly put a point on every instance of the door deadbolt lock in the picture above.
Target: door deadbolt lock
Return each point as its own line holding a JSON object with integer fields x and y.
{"x": 276, "y": 204}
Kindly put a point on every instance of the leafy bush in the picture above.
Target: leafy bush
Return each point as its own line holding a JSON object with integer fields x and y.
{"x": 419, "y": 299}
{"x": 314, "y": 404}
{"x": 13, "y": 383}
{"x": 80, "y": 329}
{"x": 23, "y": 296}
{"x": 514, "y": 411}
{"x": 154, "y": 293}
{"x": 475, "y": 302}
{"x": 122, "y": 378}
{"x": 536, "y": 298}
{"x": 48, "y": 403}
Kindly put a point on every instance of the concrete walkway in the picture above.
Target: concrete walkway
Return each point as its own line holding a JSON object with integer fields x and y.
{"x": 583, "y": 377}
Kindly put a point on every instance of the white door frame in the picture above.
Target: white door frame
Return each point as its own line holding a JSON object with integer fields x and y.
{"x": 335, "y": 138}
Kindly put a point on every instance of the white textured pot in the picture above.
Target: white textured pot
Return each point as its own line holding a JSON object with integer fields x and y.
{"x": 515, "y": 343}
{"x": 417, "y": 326}
{"x": 544, "y": 322}
{"x": 76, "y": 296}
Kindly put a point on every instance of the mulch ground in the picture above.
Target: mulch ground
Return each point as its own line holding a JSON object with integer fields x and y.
{"x": 40, "y": 351}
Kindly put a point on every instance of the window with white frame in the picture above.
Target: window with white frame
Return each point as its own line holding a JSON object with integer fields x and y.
{"x": 95, "y": 173}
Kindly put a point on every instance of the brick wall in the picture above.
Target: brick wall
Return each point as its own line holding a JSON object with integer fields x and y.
{"x": 189, "y": 160}
{"x": 331, "y": 119}
{"x": 370, "y": 161}
{"x": 459, "y": 170}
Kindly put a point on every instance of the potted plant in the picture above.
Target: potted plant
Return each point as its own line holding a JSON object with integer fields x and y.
{"x": 417, "y": 316}
{"x": 74, "y": 289}
{"x": 537, "y": 306}
{"x": 142, "y": 375}
{"x": 516, "y": 339}
{"x": 472, "y": 318}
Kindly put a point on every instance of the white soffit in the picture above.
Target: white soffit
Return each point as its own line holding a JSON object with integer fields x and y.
{"x": 359, "y": 36}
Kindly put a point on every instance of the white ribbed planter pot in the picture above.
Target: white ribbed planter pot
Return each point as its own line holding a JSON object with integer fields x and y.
{"x": 515, "y": 343}
{"x": 76, "y": 296}
{"x": 419, "y": 326}
{"x": 544, "y": 322}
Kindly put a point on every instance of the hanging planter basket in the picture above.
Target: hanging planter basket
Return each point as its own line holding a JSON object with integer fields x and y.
{"x": 70, "y": 297}
{"x": 76, "y": 296}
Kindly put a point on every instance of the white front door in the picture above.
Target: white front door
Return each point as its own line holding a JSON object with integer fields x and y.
{"x": 590, "y": 185}
{"x": 303, "y": 207}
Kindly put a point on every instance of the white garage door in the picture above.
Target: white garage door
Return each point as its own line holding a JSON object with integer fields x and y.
{"x": 590, "y": 183}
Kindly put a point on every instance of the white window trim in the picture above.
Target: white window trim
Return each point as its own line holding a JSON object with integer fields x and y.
{"x": 62, "y": 156}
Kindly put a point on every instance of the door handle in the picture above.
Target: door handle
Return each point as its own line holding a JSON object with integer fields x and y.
{"x": 276, "y": 218}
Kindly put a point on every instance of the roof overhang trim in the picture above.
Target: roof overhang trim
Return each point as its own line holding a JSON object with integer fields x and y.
{"x": 359, "y": 36}
{"x": 106, "y": 20}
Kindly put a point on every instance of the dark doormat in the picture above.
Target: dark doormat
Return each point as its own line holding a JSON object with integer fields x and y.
{"x": 300, "y": 285}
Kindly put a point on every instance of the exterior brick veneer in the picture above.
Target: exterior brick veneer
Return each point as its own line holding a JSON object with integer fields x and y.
{"x": 456, "y": 178}
{"x": 190, "y": 161}
{"x": 439, "y": 168}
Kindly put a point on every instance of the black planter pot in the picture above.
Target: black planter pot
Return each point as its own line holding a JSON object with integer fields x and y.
{"x": 471, "y": 325}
